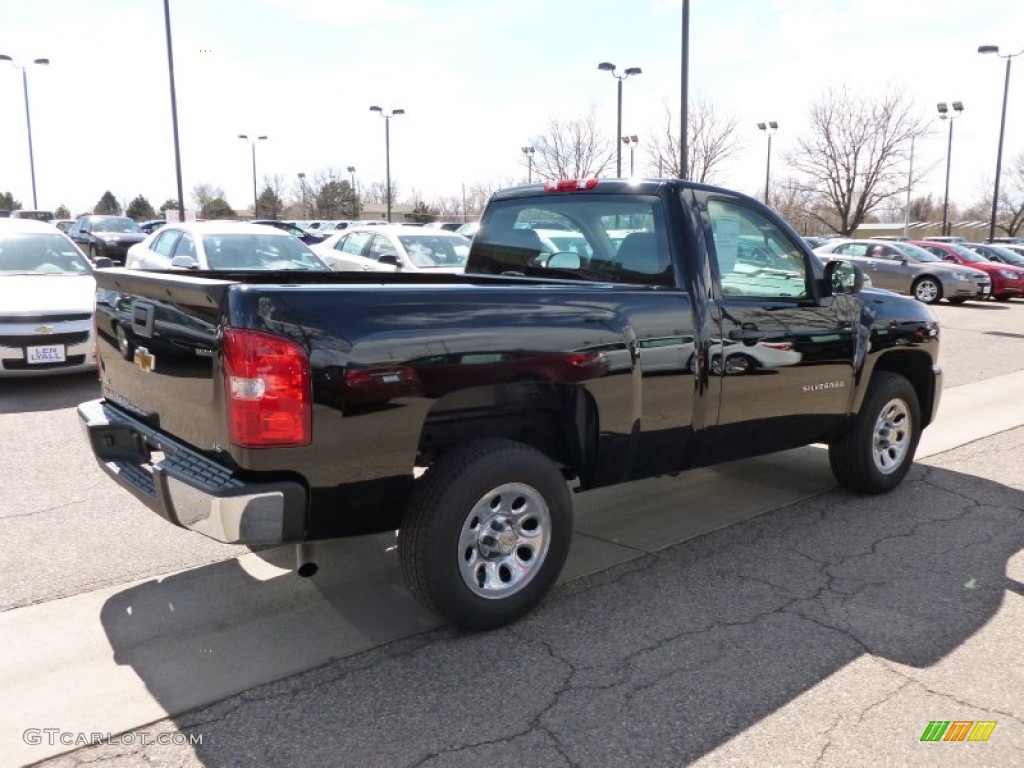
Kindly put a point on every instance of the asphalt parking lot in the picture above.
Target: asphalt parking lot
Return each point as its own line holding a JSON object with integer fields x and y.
{"x": 826, "y": 630}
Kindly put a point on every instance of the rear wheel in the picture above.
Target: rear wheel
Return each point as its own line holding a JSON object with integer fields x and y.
{"x": 958, "y": 300}
{"x": 927, "y": 290}
{"x": 487, "y": 533}
{"x": 876, "y": 453}
{"x": 1002, "y": 297}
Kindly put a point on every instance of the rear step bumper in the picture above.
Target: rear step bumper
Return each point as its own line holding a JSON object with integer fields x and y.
{"x": 186, "y": 488}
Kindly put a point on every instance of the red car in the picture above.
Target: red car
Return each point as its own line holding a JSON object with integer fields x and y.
{"x": 1007, "y": 280}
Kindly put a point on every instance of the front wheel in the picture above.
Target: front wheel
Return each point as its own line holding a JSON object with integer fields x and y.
{"x": 487, "y": 533}
{"x": 927, "y": 290}
{"x": 876, "y": 453}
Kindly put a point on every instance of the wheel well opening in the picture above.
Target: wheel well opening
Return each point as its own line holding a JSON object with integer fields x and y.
{"x": 916, "y": 368}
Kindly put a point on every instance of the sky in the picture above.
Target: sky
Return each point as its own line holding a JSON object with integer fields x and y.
{"x": 478, "y": 80}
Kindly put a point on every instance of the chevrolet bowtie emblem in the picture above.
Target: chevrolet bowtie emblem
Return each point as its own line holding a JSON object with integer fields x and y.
{"x": 44, "y": 329}
{"x": 144, "y": 359}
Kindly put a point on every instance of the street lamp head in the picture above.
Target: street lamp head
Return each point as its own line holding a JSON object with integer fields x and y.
{"x": 41, "y": 61}
{"x": 958, "y": 106}
{"x": 988, "y": 49}
{"x": 351, "y": 169}
{"x": 243, "y": 136}
{"x": 606, "y": 66}
{"x": 397, "y": 111}
{"x": 302, "y": 175}
{"x": 260, "y": 138}
{"x": 5, "y": 57}
{"x": 762, "y": 127}
{"x": 773, "y": 125}
{"x": 943, "y": 109}
{"x": 376, "y": 109}
{"x": 528, "y": 150}
{"x": 633, "y": 71}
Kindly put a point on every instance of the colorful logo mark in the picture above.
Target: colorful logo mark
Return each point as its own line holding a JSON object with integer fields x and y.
{"x": 958, "y": 730}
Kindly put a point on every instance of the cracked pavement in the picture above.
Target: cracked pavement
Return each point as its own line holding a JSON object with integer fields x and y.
{"x": 825, "y": 633}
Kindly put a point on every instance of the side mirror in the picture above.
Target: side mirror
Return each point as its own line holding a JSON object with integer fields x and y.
{"x": 843, "y": 277}
{"x": 103, "y": 262}
{"x": 184, "y": 262}
{"x": 391, "y": 259}
{"x": 564, "y": 261}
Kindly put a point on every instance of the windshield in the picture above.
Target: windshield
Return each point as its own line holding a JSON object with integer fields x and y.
{"x": 967, "y": 254}
{"x": 430, "y": 251}
{"x": 115, "y": 225}
{"x": 263, "y": 252}
{"x": 916, "y": 252}
{"x": 40, "y": 254}
{"x": 1005, "y": 255}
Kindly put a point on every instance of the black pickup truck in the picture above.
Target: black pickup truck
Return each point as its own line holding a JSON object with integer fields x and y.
{"x": 604, "y": 331}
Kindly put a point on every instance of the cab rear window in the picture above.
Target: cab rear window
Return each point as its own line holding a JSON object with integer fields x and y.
{"x": 593, "y": 237}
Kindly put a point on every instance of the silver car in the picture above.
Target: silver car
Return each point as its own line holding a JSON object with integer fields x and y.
{"x": 906, "y": 268}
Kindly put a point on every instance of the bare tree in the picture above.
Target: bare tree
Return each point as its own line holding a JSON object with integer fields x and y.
{"x": 376, "y": 192}
{"x": 572, "y": 149}
{"x": 793, "y": 202}
{"x": 1010, "y": 212}
{"x": 711, "y": 140}
{"x": 204, "y": 194}
{"x": 856, "y": 155}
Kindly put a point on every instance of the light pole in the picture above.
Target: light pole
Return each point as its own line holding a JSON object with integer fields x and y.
{"x": 1002, "y": 128}
{"x": 28, "y": 118}
{"x": 387, "y": 150}
{"x": 528, "y": 151}
{"x": 174, "y": 110}
{"x": 607, "y": 66}
{"x": 770, "y": 128}
{"x": 630, "y": 141}
{"x": 944, "y": 114}
{"x": 302, "y": 185}
{"x": 255, "y": 198}
{"x": 352, "y": 184}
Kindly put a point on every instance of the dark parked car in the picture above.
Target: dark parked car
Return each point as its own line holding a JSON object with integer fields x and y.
{"x": 109, "y": 236}
{"x": 309, "y": 238}
{"x": 149, "y": 227}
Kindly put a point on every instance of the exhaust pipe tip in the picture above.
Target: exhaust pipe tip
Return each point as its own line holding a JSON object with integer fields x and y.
{"x": 307, "y": 569}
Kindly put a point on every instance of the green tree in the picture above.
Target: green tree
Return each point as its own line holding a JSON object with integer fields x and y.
{"x": 217, "y": 208}
{"x": 62, "y": 212}
{"x": 334, "y": 200}
{"x": 8, "y": 203}
{"x": 270, "y": 204}
{"x": 422, "y": 213}
{"x": 169, "y": 204}
{"x": 140, "y": 209}
{"x": 108, "y": 204}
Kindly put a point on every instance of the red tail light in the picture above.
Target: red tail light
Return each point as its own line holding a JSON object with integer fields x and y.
{"x": 267, "y": 390}
{"x": 569, "y": 185}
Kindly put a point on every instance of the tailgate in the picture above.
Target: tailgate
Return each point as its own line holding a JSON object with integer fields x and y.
{"x": 158, "y": 341}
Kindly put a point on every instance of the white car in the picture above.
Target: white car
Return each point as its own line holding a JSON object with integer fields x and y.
{"x": 222, "y": 245}
{"x": 47, "y": 293}
{"x": 393, "y": 248}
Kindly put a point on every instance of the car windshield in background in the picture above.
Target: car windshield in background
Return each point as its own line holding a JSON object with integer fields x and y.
{"x": 115, "y": 225}
{"x": 967, "y": 254}
{"x": 428, "y": 251}
{"x": 263, "y": 252}
{"x": 40, "y": 254}
{"x": 916, "y": 251}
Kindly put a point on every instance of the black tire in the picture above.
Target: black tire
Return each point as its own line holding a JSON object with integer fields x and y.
{"x": 486, "y": 533}
{"x": 740, "y": 364}
{"x": 876, "y": 453}
{"x": 957, "y": 300}
{"x": 1002, "y": 297}
{"x": 927, "y": 289}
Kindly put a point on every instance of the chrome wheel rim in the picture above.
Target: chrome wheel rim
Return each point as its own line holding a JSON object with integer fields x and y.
{"x": 891, "y": 436}
{"x": 504, "y": 540}
{"x": 927, "y": 291}
{"x": 122, "y": 341}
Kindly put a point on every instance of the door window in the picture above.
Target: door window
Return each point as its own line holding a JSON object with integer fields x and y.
{"x": 164, "y": 244}
{"x": 755, "y": 257}
{"x": 186, "y": 246}
{"x": 353, "y": 243}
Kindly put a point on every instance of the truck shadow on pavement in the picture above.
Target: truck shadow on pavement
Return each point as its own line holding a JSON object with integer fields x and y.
{"x": 656, "y": 662}
{"x": 47, "y": 393}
